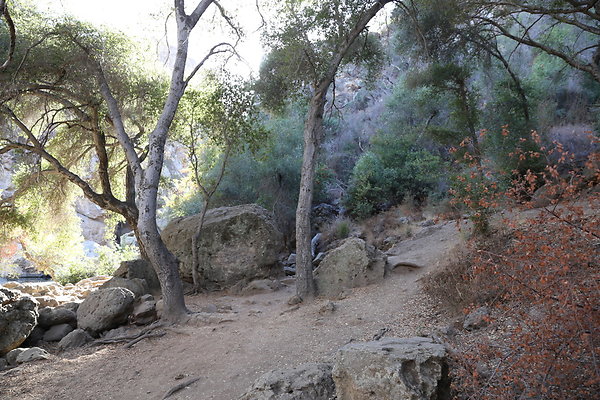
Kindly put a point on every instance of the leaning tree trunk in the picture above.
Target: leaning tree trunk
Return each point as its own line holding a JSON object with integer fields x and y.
{"x": 313, "y": 131}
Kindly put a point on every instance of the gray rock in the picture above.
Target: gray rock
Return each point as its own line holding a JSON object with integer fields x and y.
{"x": 140, "y": 269}
{"x": 320, "y": 257}
{"x": 307, "y": 381}
{"x": 56, "y": 316}
{"x": 289, "y": 269}
{"x": 328, "y": 308}
{"x": 36, "y": 335}
{"x": 57, "y": 332}
{"x": 392, "y": 369}
{"x": 291, "y": 259}
{"x": 138, "y": 286}
{"x": 18, "y": 317}
{"x": 11, "y": 356}
{"x": 144, "y": 313}
{"x": 76, "y": 338}
{"x": 239, "y": 243}
{"x": 32, "y": 354}
{"x": 477, "y": 319}
{"x": 105, "y": 309}
{"x": 352, "y": 264}
{"x": 3, "y": 364}
{"x": 73, "y": 306}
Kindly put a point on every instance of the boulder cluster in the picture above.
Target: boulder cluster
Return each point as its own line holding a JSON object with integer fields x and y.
{"x": 72, "y": 315}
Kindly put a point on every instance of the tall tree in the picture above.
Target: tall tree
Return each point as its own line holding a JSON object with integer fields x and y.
{"x": 214, "y": 123}
{"x": 88, "y": 100}
{"x": 314, "y": 39}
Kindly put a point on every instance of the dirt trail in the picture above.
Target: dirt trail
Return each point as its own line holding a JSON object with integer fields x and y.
{"x": 263, "y": 333}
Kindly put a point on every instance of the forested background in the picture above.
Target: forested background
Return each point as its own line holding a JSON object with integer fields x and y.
{"x": 434, "y": 77}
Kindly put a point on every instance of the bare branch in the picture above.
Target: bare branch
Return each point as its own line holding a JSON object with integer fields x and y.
{"x": 214, "y": 50}
{"x": 12, "y": 33}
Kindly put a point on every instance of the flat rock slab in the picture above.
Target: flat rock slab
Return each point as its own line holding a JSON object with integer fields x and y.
{"x": 392, "y": 369}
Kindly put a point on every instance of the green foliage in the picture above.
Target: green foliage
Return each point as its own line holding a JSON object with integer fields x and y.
{"x": 393, "y": 169}
{"x": 303, "y": 41}
{"x": 107, "y": 261}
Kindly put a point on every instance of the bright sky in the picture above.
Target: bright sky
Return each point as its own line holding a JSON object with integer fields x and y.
{"x": 145, "y": 20}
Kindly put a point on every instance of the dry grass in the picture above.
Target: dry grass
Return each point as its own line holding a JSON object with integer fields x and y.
{"x": 458, "y": 285}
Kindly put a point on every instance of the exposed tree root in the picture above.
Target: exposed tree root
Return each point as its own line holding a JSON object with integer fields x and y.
{"x": 180, "y": 386}
{"x": 133, "y": 339}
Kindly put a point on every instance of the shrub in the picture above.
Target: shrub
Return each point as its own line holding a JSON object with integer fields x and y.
{"x": 394, "y": 169}
{"x": 544, "y": 277}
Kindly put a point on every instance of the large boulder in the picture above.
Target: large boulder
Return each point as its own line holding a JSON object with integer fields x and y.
{"x": 138, "y": 286}
{"x": 239, "y": 243}
{"x": 18, "y": 317}
{"x": 139, "y": 269}
{"x": 307, "y": 381}
{"x": 105, "y": 309}
{"x": 392, "y": 369}
{"x": 352, "y": 264}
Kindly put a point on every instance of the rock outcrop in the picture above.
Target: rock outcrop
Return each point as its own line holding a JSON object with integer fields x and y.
{"x": 105, "y": 309}
{"x": 18, "y": 317}
{"x": 307, "y": 381}
{"x": 352, "y": 264}
{"x": 239, "y": 243}
{"x": 392, "y": 369}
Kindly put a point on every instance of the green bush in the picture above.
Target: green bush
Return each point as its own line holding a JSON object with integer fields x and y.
{"x": 394, "y": 169}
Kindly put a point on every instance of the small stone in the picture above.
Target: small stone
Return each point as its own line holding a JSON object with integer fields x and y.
{"x": 75, "y": 339}
{"x": 291, "y": 259}
{"x": 294, "y": 300}
{"x": 328, "y": 308}
{"x": 11, "y": 356}
{"x": 32, "y": 354}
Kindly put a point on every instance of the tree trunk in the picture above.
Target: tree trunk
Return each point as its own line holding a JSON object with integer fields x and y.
{"x": 163, "y": 261}
{"x": 313, "y": 131}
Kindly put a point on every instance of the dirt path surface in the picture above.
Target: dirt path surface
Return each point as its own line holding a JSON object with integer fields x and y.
{"x": 257, "y": 333}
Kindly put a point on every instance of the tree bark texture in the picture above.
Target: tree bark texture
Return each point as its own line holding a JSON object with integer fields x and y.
{"x": 313, "y": 132}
